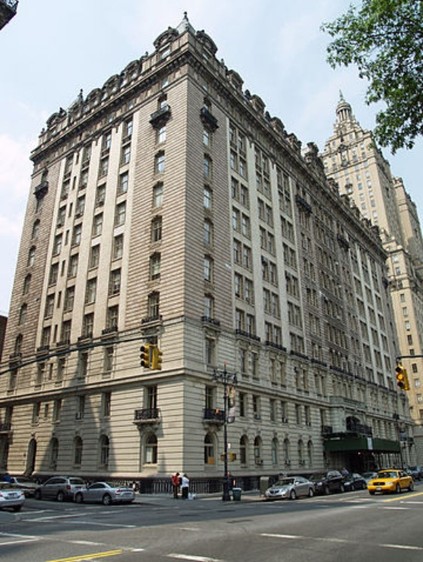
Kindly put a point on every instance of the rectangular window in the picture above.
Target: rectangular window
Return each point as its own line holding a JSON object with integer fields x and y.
{"x": 97, "y": 224}
{"x": 91, "y": 290}
{"x": 120, "y": 214}
{"x": 95, "y": 256}
{"x": 115, "y": 280}
{"x": 112, "y": 317}
{"x": 118, "y": 247}
{"x": 123, "y": 183}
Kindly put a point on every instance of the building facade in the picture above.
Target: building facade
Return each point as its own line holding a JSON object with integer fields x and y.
{"x": 169, "y": 208}
{"x": 354, "y": 161}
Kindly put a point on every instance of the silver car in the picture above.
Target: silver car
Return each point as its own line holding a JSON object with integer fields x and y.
{"x": 59, "y": 488}
{"x": 25, "y": 484}
{"x": 291, "y": 487}
{"x": 105, "y": 493}
{"x": 11, "y": 497}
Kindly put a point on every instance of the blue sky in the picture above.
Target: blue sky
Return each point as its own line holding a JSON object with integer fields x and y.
{"x": 52, "y": 49}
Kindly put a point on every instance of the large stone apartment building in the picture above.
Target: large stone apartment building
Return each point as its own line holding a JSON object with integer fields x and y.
{"x": 169, "y": 207}
{"x": 354, "y": 161}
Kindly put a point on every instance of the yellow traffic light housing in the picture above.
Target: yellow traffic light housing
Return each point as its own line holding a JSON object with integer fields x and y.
{"x": 156, "y": 360}
{"x": 402, "y": 377}
{"x": 145, "y": 355}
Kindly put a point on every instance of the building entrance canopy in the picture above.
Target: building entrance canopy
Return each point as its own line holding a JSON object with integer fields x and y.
{"x": 345, "y": 442}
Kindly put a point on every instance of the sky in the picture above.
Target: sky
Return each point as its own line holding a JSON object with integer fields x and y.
{"x": 51, "y": 50}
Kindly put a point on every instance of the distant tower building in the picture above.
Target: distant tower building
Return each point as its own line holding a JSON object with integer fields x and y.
{"x": 7, "y": 11}
{"x": 353, "y": 160}
{"x": 170, "y": 212}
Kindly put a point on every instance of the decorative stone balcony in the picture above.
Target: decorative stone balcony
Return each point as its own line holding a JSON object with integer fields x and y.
{"x": 147, "y": 416}
{"x": 213, "y": 416}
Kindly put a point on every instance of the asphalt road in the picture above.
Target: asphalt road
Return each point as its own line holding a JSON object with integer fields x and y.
{"x": 347, "y": 527}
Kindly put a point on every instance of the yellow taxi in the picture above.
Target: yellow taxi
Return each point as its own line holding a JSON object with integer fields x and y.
{"x": 392, "y": 480}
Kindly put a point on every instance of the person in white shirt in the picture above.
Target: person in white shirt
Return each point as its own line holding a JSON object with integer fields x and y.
{"x": 185, "y": 486}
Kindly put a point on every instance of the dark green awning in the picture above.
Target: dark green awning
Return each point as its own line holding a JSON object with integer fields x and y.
{"x": 362, "y": 443}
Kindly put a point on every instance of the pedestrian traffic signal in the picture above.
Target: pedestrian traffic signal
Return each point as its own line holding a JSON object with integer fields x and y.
{"x": 402, "y": 377}
{"x": 156, "y": 362}
{"x": 145, "y": 356}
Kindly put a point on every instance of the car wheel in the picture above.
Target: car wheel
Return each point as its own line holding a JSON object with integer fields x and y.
{"x": 79, "y": 498}
{"x": 411, "y": 487}
{"x": 326, "y": 490}
{"x": 372, "y": 493}
{"x": 60, "y": 496}
{"x": 342, "y": 488}
{"x": 17, "y": 508}
{"x": 310, "y": 493}
{"x": 37, "y": 494}
{"x": 398, "y": 489}
{"x": 292, "y": 495}
{"x": 107, "y": 500}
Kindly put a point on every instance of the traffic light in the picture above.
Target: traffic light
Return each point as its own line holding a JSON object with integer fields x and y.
{"x": 156, "y": 362}
{"x": 145, "y": 355}
{"x": 402, "y": 377}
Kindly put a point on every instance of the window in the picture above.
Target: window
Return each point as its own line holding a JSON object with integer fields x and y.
{"x": 22, "y": 313}
{"x": 153, "y": 305}
{"x": 103, "y": 168}
{"x": 115, "y": 281}
{"x": 151, "y": 449}
{"x": 73, "y": 266}
{"x": 210, "y": 351}
{"x": 207, "y": 167}
{"x": 159, "y": 163}
{"x": 208, "y": 269}
{"x": 243, "y": 450}
{"x": 118, "y": 247}
{"x": 80, "y": 206}
{"x": 77, "y": 451}
{"x": 208, "y": 306}
{"x": 161, "y": 134}
{"x": 95, "y": 256}
{"x": 76, "y": 235}
{"x": 123, "y": 183}
{"x": 83, "y": 358}
{"x": 156, "y": 229}
{"x": 104, "y": 451}
{"x": 106, "y": 400}
{"x": 65, "y": 334}
{"x": 155, "y": 261}
{"x": 208, "y": 233}
{"x": 207, "y": 198}
{"x": 31, "y": 256}
{"x": 88, "y": 325}
{"x": 120, "y": 214}
{"x": 91, "y": 290}
{"x": 57, "y": 245}
{"x": 107, "y": 141}
{"x": 35, "y": 229}
{"x": 57, "y": 409}
{"x": 127, "y": 128}
{"x": 108, "y": 355}
{"x": 27, "y": 284}
{"x": 112, "y": 319}
{"x": 97, "y": 224}
{"x": 36, "y": 412}
{"x": 69, "y": 299}
{"x": 158, "y": 195}
{"x": 208, "y": 449}
{"x": 125, "y": 155}
{"x": 100, "y": 195}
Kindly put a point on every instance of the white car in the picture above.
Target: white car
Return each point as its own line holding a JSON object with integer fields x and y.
{"x": 11, "y": 497}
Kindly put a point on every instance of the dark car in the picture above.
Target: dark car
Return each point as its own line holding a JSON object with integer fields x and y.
{"x": 328, "y": 482}
{"x": 355, "y": 481}
{"x": 59, "y": 488}
{"x": 416, "y": 472}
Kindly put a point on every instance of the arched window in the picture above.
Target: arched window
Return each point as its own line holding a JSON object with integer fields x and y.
{"x": 18, "y": 343}
{"x": 22, "y": 314}
{"x": 286, "y": 452}
{"x": 310, "y": 453}
{"x": 159, "y": 162}
{"x": 27, "y": 284}
{"x": 35, "y": 229}
{"x": 300, "y": 451}
{"x": 209, "y": 449}
{"x": 274, "y": 451}
{"x": 77, "y": 451}
{"x": 257, "y": 450}
{"x": 243, "y": 450}
{"x": 31, "y": 256}
{"x": 207, "y": 167}
{"x": 54, "y": 452}
{"x": 104, "y": 451}
{"x": 151, "y": 449}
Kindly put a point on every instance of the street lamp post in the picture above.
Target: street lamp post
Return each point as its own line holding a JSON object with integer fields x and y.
{"x": 397, "y": 424}
{"x": 225, "y": 378}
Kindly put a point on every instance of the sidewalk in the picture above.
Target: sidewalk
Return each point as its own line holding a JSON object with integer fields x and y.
{"x": 168, "y": 499}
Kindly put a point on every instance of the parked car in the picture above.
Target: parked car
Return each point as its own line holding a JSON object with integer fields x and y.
{"x": 355, "y": 481}
{"x": 390, "y": 480}
{"x": 416, "y": 472}
{"x": 59, "y": 488}
{"x": 291, "y": 487}
{"x": 11, "y": 497}
{"x": 328, "y": 482}
{"x": 25, "y": 484}
{"x": 105, "y": 493}
{"x": 369, "y": 475}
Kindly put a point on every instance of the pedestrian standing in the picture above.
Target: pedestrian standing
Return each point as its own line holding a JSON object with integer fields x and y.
{"x": 176, "y": 479}
{"x": 185, "y": 487}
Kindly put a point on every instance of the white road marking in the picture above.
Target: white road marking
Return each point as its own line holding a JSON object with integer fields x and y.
{"x": 188, "y": 528}
{"x": 277, "y": 536}
{"x": 190, "y": 557}
{"x": 89, "y": 543}
{"x": 394, "y": 507}
{"x": 17, "y": 539}
{"x": 401, "y": 546}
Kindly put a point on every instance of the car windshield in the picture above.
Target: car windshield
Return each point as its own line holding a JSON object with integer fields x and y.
{"x": 285, "y": 482}
{"x": 23, "y": 480}
{"x": 387, "y": 474}
{"x": 76, "y": 481}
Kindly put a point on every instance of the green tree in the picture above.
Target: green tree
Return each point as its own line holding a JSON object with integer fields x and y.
{"x": 384, "y": 39}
